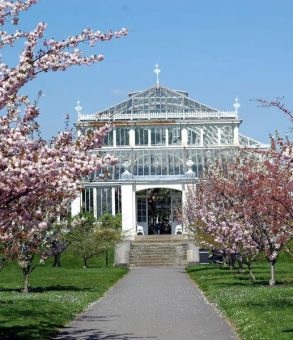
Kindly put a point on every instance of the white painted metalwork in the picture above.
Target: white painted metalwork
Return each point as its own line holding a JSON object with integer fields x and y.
{"x": 157, "y": 72}
{"x": 236, "y": 105}
{"x": 158, "y": 115}
{"x": 78, "y": 109}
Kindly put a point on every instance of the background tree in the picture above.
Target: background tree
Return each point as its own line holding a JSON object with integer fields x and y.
{"x": 114, "y": 226}
{"x": 88, "y": 237}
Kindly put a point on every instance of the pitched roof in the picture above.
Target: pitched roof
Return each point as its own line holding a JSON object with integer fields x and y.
{"x": 157, "y": 99}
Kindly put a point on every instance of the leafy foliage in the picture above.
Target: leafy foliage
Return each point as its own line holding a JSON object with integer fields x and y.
{"x": 89, "y": 237}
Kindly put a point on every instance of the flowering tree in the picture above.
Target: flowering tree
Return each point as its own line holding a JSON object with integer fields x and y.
{"x": 269, "y": 180}
{"x": 216, "y": 215}
{"x": 37, "y": 180}
{"x": 246, "y": 205}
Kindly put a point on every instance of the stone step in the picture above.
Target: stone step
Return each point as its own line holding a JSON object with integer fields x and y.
{"x": 155, "y": 265}
{"x": 160, "y": 238}
{"x": 158, "y": 250}
{"x": 155, "y": 256}
{"x": 158, "y": 246}
{"x": 138, "y": 251}
{"x": 152, "y": 257}
{"x": 154, "y": 260}
{"x": 158, "y": 263}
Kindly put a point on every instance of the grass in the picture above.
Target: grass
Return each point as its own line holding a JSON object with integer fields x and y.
{"x": 256, "y": 310}
{"x": 58, "y": 295}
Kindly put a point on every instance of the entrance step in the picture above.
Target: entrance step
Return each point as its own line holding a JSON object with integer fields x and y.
{"x": 160, "y": 238}
{"x": 158, "y": 251}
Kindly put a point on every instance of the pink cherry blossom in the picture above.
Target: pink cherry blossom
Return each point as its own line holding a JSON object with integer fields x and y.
{"x": 38, "y": 180}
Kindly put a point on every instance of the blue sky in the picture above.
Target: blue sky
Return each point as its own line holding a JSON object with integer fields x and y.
{"x": 215, "y": 50}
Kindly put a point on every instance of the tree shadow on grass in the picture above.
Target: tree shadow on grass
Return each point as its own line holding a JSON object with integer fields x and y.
{"x": 271, "y": 305}
{"x": 41, "y": 331}
{"x": 290, "y": 330}
{"x": 48, "y": 289}
{"x": 199, "y": 268}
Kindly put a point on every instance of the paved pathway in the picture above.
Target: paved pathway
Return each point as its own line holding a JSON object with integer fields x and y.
{"x": 151, "y": 303}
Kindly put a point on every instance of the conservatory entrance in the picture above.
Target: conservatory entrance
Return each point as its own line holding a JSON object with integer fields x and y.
{"x": 157, "y": 210}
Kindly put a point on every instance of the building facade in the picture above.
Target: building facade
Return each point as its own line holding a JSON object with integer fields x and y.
{"x": 162, "y": 139}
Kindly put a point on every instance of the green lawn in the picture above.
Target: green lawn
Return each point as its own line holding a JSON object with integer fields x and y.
{"x": 256, "y": 311}
{"x": 58, "y": 295}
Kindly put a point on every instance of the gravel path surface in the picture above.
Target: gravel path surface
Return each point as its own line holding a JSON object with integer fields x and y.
{"x": 151, "y": 303}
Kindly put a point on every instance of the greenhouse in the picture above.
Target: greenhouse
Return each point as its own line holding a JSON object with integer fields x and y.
{"x": 162, "y": 139}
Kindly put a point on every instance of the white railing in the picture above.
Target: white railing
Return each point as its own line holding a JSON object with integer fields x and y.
{"x": 157, "y": 115}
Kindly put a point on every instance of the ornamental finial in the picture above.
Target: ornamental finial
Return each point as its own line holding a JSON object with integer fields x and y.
{"x": 236, "y": 105}
{"x": 157, "y": 72}
{"x": 78, "y": 108}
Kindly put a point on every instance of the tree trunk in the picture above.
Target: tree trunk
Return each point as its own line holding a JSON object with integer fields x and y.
{"x": 26, "y": 282}
{"x": 231, "y": 262}
{"x": 288, "y": 251}
{"x": 250, "y": 272}
{"x": 27, "y": 268}
{"x": 84, "y": 262}
{"x": 2, "y": 263}
{"x": 240, "y": 265}
{"x": 272, "y": 281}
{"x": 225, "y": 261}
{"x": 57, "y": 260}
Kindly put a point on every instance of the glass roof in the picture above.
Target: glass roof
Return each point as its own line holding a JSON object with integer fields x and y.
{"x": 157, "y": 99}
{"x": 248, "y": 141}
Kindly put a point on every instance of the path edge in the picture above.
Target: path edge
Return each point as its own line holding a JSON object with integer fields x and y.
{"x": 218, "y": 310}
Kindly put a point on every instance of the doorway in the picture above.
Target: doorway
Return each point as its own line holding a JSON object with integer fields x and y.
{"x": 157, "y": 210}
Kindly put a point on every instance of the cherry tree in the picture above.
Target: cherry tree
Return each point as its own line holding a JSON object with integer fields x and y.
{"x": 270, "y": 207}
{"x": 246, "y": 205}
{"x": 38, "y": 180}
{"x": 216, "y": 216}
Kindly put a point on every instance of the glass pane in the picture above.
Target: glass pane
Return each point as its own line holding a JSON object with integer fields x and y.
{"x": 226, "y": 135}
{"x": 193, "y": 135}
{"x": 108, "y": 140}
{"x": 174, "y": 135}
{"x": 158, "y": 136}
{"x": 122, "y": 136}
{"x": 141, "y": 136}
{"x": 210, "y": 135}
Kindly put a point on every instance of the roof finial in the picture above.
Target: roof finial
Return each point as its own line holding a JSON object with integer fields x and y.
{"x": 78, "y": 108}
{"x": 157, "y": 72}
{"x": 236, "y": 105}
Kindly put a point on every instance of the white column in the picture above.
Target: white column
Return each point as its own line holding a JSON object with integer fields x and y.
{"x": 114, "y": 138}
{"x": 184, "y": 137}
{"x": 132, "y": 137}
{"x": 201, "y": 136}
{"x": 75, "y": 206}
{"x": 167, "y": 136}
{"x": 183, "y": 194}
{"x": 128, "y": 210}
{"x": 236, "y": 135}
{"x": 95, "y": 201}
{"x": 113, "y": 202}
{"x": 219, "y": 135}
{"x": 149, "y": 137}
